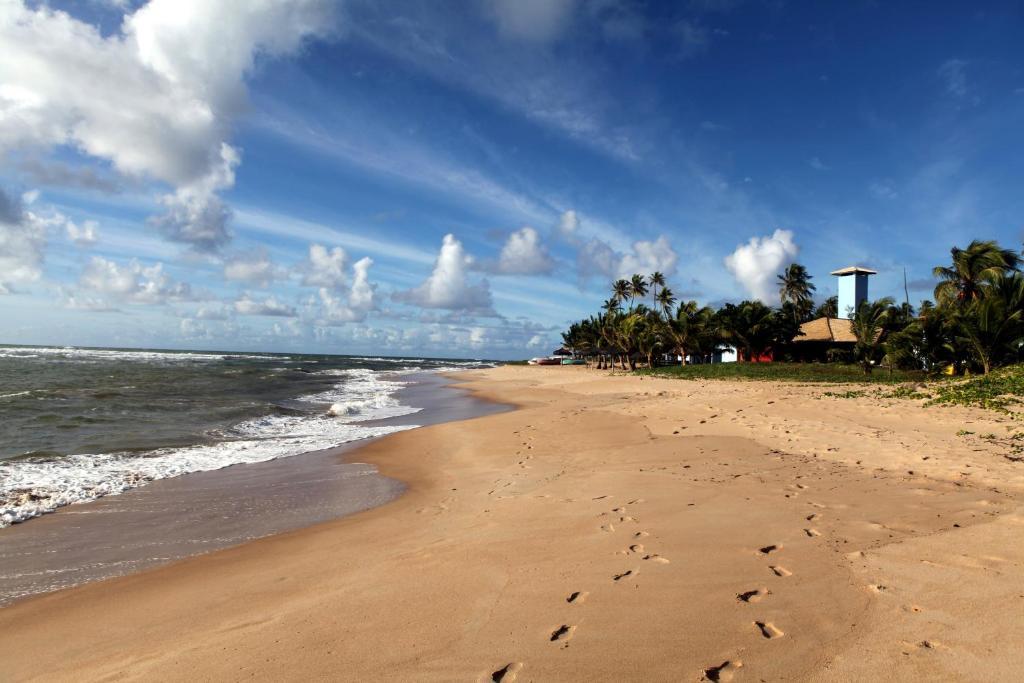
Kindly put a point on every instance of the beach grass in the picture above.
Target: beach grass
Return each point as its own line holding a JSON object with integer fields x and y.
{"x": 1001, "y": 389}
{"x": 829, "y": 373}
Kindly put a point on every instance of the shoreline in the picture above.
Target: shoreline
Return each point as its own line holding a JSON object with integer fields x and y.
{"x": 605, "y": 529}
{"x": 178, "y": 517}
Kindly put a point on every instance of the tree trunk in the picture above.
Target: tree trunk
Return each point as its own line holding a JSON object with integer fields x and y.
{"x": 650, "y": 361}
{"x": 682, "y": 355}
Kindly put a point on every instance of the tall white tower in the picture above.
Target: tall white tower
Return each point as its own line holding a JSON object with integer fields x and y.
{"x": 853, "y": 288}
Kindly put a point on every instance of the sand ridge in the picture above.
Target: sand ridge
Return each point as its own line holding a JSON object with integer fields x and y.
{"x": 613, "y": 528}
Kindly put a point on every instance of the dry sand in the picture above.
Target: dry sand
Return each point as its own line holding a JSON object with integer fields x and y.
{"x": 614, "y": 528}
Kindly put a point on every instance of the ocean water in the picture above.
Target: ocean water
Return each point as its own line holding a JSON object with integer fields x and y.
{"x": 77, "y": 424}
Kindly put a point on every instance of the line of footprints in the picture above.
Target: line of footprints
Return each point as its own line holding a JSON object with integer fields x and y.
{"x": 563, "y": 633}
{"x": 725, "y": 671}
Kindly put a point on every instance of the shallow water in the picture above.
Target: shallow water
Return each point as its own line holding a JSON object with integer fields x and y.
{"x": 79, "y": 424}
{"x": 188, "y": 515}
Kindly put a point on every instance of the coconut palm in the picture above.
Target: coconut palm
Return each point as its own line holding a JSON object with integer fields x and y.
{"x": 665, "y": 300}
{"x": 991, "y": 326}
{"x": 963, "y": 280}
{"x": 868, "y": 324}
{"x": 621, "y": 290}
{"x": 750, "y": 326}
{"x": 637, "y": 288}
{"x": 691, "y": 329}
{"x": 656, "y": 279}
{"x": 795, "y": 288}
{"x": 829, "y": 308}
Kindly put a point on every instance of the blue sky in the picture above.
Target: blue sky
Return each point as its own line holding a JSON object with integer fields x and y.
{"x": 215, "y": 175}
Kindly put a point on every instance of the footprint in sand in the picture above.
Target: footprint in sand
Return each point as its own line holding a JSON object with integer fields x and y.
{"x": 507, "y": 673}
{"x": 607, "y": 527}
{"x": 812, "y": 532}
{"x": 640, "y": 534}
{"x": 769, "y": 630}
{"x": 636, "y": 548}
{"x": 658, "y": 559}
{"x": 769, "y": 549}
{"x": 562, "y": 634}
{"x": 576, "y": 597}
{"x": 779, "y": 570}
{"x": 625, "y": 574}
{"x": 754, "y": 595}
{"x": 724, "y": 672}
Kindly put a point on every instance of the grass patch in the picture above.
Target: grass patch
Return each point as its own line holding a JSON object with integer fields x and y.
{"x": 1001, "y": 390}
{"x": 832, "y": 373}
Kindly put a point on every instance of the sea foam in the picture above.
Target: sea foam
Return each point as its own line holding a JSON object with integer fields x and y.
{"x": 32, "y": 487}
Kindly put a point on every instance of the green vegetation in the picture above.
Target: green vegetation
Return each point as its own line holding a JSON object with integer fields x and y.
{"x": 975, "y": 326}
{"x": 1001, "y": 389}
{"x": 825, "y": 373}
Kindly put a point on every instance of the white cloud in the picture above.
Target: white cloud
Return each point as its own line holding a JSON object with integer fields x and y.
{"x": 953, "y": 73}
{"x": 448, "y": 285}
{"x": 692, "y": 38}
{"x": 568, "y": 226}
{"x": 22, "y": 238}
{"x": 756, "y": 263}
{"x": 85, "y": 235}
{"x": 532, "y": 20}
{"x": 213, "y": 313}
{"x": 648, "y": 257}
{"x": 132, "y": 282}
{"x": 596, "y": 257}
{"x": 156, "y": 98}
{"x": 817, "y": 164}
{"x": 255, "y": 268}
{"x": 270, "y": 306}
{"x": 524, "y": 254}
{"x": 325, "y": 267}
{"x": 360, "y": 297}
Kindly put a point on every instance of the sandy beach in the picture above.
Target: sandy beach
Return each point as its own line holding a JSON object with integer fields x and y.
{"x": 611, "y": 528}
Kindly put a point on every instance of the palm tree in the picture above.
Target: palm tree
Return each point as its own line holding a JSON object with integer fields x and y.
{"x": 991, "y": 326}
{"x": 621, "y": 290}
{"x": 657, "y": 279}
{"x": 665, "y": 299}
{"x": 829, "y": 308}
{"x": 962, "y": 281}
{"x": 610, "y": 304}
{"x": 750, "y": 325}
{"x": 637, "y": 288}
{"x": 868, "y": 323}
{"x": 795, "y": 288}
{"x": 691, "y": 329}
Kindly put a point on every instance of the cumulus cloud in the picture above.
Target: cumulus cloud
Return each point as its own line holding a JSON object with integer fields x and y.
{"x": 532, "y": 20}
{"x": 756, "y": 263}
{"x": 156, "y": 99}
{"x": 270, "y": 306}
{"x": 568, "y": 227}
{"x": 448, "y": 285}
{"x": 325, "y": 267}
{"x": 85, "y": 235}
{"x": 597, "y": 258}
{"x": 133, "y": 282}
{"x": 255, "y": 268}
{"x": 22, "y": 239}
{"x": 524, "y": 254}
{"x": 360, "y": 297}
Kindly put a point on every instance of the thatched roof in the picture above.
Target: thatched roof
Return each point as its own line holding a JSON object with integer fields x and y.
{"x": 834, "y": 330}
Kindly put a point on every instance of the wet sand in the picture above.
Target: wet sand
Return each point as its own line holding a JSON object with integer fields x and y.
{"x": 611, "y": 528}
{"x": 171, "y": 519}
